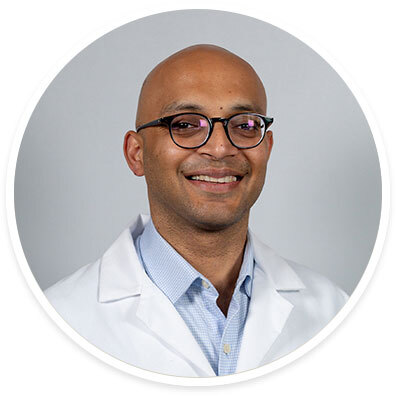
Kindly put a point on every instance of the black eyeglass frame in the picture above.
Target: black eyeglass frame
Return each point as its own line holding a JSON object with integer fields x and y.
{"x": 167, "y": 121}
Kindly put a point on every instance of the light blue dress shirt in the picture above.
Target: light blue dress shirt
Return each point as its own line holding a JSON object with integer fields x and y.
{"x": 194, "y": 297}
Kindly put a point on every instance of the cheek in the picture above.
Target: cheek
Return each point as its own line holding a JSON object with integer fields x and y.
{"x": 259, "y": 170}
{"x": 161, "y": 163}
{"x": 258, "y": 161}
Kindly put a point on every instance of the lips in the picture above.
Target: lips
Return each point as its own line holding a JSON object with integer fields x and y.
{"x": 214, "y": 181}
{"x": 225, "y": 179}
{"x": 215, "y": 175}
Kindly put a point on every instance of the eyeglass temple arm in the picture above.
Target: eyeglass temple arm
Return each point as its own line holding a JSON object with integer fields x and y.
{"x": 269, "y": 121}
{"x": 160, "y": 121}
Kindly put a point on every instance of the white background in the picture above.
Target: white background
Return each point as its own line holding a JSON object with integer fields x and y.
{"x": 36, "y": 357}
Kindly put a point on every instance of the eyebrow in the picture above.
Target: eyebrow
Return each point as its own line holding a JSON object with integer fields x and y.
{"x": 186, "y": 106}
{"x": 177, "y": 106}
{"x": 246, "y": 107}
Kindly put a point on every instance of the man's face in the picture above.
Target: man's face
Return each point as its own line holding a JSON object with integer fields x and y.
{"x": 215, "y": 86}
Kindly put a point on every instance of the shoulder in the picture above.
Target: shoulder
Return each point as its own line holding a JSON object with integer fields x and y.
{"x": 79, "y": 288}
{"x": 112, "y": 275}
{"x": 299, "y": 284}
{"x": 320, "y": 294}
{"x": 315, "y": 282}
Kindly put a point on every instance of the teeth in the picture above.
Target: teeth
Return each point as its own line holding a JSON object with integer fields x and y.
{"x": 225, "y": 179}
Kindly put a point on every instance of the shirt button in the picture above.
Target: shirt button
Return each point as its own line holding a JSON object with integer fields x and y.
{"x": 205, "y": 284}
{"x": 227, "y": 348}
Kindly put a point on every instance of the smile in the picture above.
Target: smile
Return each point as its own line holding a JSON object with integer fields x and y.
{"x": 215, "y": 180}
{"x": 205, "y": 178}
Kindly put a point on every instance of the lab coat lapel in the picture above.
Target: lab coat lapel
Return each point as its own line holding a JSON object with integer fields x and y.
{"x": 120, "y": 272}
{"x": 122, "y": 276}
{"x": 159, "y": 314}
{"x": 268, "y": 310}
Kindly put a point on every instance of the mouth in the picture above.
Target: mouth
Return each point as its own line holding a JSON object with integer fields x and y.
{"x": 215, "y": 180}
{"x": 212, "y": 179}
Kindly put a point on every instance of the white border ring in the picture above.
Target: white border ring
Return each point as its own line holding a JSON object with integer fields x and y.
{"x": 187, "y": 381}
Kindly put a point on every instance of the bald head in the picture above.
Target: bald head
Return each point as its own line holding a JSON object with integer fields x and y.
{"x": 199, "y": 73}
{"x": 216, "y": 83}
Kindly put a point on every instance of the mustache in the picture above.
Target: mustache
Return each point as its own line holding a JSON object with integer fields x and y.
{"x": 239, "y": 166}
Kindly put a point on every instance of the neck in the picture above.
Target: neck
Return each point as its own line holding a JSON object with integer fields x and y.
{"x": 216, "y": 254}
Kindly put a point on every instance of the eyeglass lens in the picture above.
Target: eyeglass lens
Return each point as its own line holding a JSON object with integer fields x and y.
{"x": 191, "y": 130}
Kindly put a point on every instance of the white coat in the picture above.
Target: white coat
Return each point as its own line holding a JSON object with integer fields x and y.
{"x": 114, "y": 305}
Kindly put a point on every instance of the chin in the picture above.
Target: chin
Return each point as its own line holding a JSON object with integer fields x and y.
{"x": 216, "y": 222}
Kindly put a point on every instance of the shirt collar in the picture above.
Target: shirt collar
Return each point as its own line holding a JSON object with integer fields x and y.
{"x": 173, "y": 274}
{"x": 165, "y": 267}
{"x": 121, "y": 273}
{"x": 245, "y": 278}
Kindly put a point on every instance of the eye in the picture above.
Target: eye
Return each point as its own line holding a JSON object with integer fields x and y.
{"x": 250, "y": 125}
{"x": 246, "y": 123}
{"x": 189, "y": 123}
{"x": 183, "y": 125}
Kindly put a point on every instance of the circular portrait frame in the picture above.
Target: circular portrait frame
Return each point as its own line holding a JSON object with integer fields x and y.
{"x": 302, "y": 350}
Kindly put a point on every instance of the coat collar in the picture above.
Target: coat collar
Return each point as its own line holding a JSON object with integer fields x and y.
{"x": 120, "y": 274}
{"x": 268, "y": 310}
{"x": 120, "y": 271}
{"x": 281, "y": 275}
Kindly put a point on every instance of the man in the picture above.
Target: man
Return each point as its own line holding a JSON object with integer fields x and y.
{"x": 190, "y": 291}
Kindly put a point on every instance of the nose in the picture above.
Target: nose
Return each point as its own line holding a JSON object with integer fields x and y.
{"x": 218, "y": 146}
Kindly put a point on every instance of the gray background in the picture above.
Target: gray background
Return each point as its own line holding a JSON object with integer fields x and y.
{"x": 74, "y": 193}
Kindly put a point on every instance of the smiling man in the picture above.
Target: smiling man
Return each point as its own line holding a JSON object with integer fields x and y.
{"x": 190, "y": 291}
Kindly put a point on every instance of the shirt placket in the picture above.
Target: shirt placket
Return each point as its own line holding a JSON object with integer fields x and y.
{"x": 210, "y": 296}
{"x": 229, "y": 341}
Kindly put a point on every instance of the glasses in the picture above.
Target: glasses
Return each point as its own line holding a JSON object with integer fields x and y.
{"x": 193, "y": 130}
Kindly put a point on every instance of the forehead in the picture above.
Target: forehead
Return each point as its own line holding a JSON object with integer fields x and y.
{"x": 210, "y": 80}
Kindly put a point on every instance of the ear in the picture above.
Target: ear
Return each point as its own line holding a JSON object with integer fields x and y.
{"x": 133, "y": 152}
{"x": 269, "y": 141}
